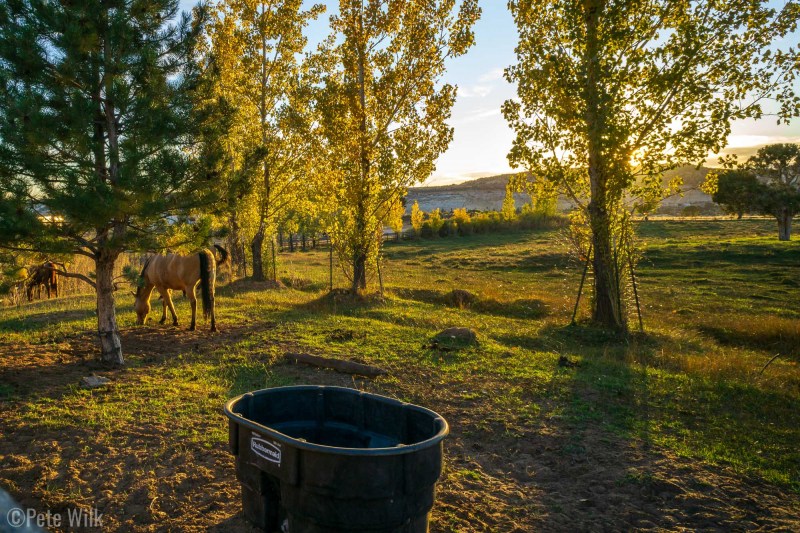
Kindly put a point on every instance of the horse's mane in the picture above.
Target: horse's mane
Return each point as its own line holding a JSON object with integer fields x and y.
{"x": 141, "y": 276}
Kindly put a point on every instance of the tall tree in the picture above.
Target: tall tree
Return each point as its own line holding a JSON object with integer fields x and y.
{"x": 257, "y": 47}
{"x": 778, "y": 167}
{"x": 98, "y": 141}
{"x": 735, "y": 190}
{"x": 767, "y": 183}
{"x": 612, "y": 94}
{"x": 384, "y": 110}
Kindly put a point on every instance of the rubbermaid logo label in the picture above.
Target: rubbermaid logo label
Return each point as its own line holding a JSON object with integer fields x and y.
{"x": 266, "y": 449}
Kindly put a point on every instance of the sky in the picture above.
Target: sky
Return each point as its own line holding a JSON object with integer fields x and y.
{"x": 481, "y": 136}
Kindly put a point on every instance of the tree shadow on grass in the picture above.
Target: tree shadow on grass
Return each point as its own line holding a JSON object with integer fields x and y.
{"x": 520, "y": 308}
{"x": 44, "y": 320}
{"x": 607, "y": 463}
{"x": 768, "y": 336}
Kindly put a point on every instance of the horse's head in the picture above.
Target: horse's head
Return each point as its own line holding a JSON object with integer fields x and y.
{"x": 142, "y": 294}
{"x": 141, "y": 306}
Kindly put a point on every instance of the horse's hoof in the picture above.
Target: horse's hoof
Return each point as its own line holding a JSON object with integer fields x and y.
{"x": 214, "y": 329}
{"x": 162, "y": 320}
{"x": 175, "y": 323}
{"x": 191, "y": 328}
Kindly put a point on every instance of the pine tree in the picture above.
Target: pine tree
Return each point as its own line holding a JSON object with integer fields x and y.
{"x": 98, "y": 138}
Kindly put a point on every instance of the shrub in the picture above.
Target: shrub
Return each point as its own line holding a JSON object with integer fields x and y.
{"x": 460, "y": 216}
{"x": 436, "y": 220}
{"x": 450, "y": 227}
{"x": 426, "y": 231}
{"x": 690, "y": 211}
{"x": 417, "y": 217}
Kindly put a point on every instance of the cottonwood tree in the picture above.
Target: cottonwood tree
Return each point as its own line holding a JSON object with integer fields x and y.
{"x": 778, "y": 168}
{"x": 384, "y": 110}
{"x": 611, "y": 94}
{"x": 256, "y": 47}
{"x": 736, "y": 191}
{"x": 767, "y": 183}
{"x": 99, "y": 140}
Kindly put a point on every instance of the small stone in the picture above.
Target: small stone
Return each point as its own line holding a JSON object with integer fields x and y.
{"x": 93, "y": 382}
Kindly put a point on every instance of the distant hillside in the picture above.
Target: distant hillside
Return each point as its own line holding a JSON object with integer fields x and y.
{"x": 487, "y": 194}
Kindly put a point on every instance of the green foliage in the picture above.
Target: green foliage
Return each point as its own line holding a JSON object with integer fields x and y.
{"x": 736, "y": 191}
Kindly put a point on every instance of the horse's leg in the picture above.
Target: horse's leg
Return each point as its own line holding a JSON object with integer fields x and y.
{"x": 171, "y": 306}
{"x": 213, "y": 314}
{"x": 190, "y": 292}
{"x": 164, "y": 296}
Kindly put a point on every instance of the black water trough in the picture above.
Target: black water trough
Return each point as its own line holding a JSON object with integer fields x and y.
{"x": 314, "y": 459}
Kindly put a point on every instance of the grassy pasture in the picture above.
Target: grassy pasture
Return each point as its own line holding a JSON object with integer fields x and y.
{"x": 673, "y": 428}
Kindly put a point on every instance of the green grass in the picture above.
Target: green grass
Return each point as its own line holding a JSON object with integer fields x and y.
{"x": 720, "y": 299}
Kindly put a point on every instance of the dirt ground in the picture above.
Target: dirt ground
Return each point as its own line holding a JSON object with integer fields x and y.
{"x": 545, "y": 477}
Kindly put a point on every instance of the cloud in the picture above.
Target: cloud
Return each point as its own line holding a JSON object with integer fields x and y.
{"x": 475, "y": 91}
{"x": 476, "y": 116}
{"x": 492, "y": 75}
{"x": 745, "y": 146}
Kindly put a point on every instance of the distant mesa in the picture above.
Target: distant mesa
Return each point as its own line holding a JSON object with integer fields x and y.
{"x": 487, "y": 194}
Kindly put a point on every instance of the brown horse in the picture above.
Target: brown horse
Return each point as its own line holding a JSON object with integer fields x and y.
{"x": 172, "y": 272}
{"x": 44, "y": 274}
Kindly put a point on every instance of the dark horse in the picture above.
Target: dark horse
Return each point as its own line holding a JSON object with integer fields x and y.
{"x": 44, "y": 274}
{"x": 173, "y": 272}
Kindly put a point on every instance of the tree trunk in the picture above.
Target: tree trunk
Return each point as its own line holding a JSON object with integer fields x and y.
{"x": 361, "y": 246}
{"x": 236, "y": 247}
{"x": 359, "y": 273}
{"x": 274, "y": 258}
{"x": 606, "y": 304}
{"x": 784, "y": 225}
{"x": 256, "y": 247}
{"x": 110, "y": 343}
{"x": 606, "y": 311}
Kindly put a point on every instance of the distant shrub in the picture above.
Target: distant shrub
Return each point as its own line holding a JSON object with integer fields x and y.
{"x": 436, "y": 221}
{"x": 460, "y": 216}
{"x": 417, "y": 218}
{"x": 460, "y": 222}
{"x": 691, "y": 211}
{"x": 426, "y": 230}
{"x": 509, "y": 210}
{"x": 450, "y": 227}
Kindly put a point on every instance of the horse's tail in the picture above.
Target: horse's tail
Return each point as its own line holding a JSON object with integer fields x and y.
{"x": 207, "y": 274}
{"x": 223, "y": 255}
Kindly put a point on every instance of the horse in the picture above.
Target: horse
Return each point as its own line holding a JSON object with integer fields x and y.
{"x": 175, "y": 272}
{"x": 44, "y": 274}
